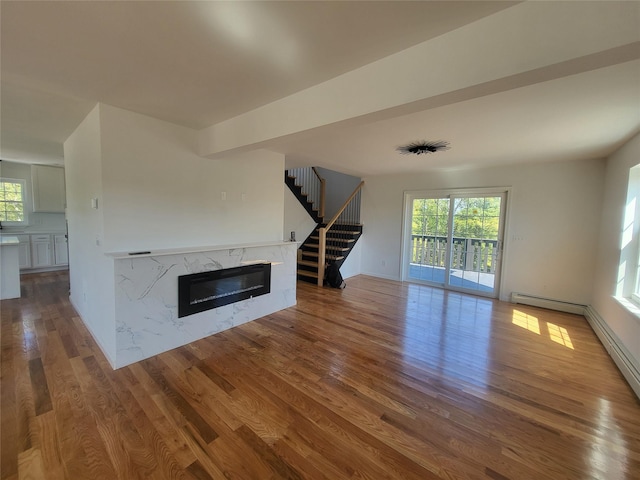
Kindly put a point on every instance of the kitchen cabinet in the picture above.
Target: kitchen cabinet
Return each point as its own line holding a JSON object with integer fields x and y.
{"x": 48, "y": 189}
{"x": 24, "y": 251}
{"x": 60, "y": 252}
{"x": 41, "y": 251}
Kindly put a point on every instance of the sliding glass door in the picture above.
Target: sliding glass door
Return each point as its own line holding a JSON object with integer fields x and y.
{"x": 455, "y": 240}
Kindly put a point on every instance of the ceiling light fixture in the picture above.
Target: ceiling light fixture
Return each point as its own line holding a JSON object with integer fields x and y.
{"x": 423, "y": 147}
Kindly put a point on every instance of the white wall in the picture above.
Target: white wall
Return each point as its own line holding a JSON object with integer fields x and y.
{"x": 338, "y": 188}
{"x": 624, "y": 324}
{"x": 89, "y": 269}
{"x": 552, "y": 226}
{"x": 351, "y": 265}
{"x": 154, "y": 193}
{"x": 296, "y": 218}
{"x": 159, "y": 194}
{"x": 36, "y": 222}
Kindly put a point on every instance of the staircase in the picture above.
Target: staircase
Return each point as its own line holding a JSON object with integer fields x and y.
{"x": 331, "y": 241}
{"x": 340, "y": 240}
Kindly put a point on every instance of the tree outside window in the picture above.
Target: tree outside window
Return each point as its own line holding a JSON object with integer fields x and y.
{"x": 12, "y": 204}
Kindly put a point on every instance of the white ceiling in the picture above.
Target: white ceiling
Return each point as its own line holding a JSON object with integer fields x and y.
{"x": 571, "y": 118}
{"x": 197, "y": 63}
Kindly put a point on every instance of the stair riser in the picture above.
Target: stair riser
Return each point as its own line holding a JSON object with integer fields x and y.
{"x": 305, "y": 268}
{"x": 312, "y": 280}
{"x": 330, "y": 258}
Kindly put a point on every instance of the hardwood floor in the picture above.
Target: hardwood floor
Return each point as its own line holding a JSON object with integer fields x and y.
{"x": 382, "y": 380}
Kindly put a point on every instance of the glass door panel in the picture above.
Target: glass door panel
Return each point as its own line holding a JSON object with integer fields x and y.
{"x": 476, "y": 242}
{"x": 429, "y": 233}
{"x": 455, "y": 241}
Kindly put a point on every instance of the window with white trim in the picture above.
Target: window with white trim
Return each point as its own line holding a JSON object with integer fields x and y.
{"x": 12, "y": 201}
{"x": 627, "y": 289}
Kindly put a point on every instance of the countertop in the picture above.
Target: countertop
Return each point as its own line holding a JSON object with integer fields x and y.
{"x": 173, "y": 251}
{"x": 12, "y": 233}
{"x": 6, "y": 240}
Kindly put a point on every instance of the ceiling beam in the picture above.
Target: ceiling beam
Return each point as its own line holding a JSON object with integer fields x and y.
{"x": 521, "y": 45}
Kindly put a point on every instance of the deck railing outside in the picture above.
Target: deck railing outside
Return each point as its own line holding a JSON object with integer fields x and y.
{"x": 470, "y": 254}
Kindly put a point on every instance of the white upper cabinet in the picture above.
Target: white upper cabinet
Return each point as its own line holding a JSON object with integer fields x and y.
{"x": 48, "y": 189}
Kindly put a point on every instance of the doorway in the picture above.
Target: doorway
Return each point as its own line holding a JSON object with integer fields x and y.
{"x": 454, "y": 240}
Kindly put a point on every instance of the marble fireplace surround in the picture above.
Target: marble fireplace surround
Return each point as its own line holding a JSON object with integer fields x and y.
{"x": 146, "y": 295}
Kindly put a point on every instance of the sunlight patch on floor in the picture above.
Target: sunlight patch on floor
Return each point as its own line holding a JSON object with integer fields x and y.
{"x": 528, "y": 322}
{"x": 559, "y": 335}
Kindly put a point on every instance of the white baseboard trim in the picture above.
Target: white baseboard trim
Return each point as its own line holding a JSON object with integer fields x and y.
{"x": 617, "y": 351}
{"x": 93, "y": 336}
{"x": 549, "y": 303}
{"x": 381, "y": 275}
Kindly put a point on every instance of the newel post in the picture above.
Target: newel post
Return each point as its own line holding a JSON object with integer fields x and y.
{"x": 322, "y": 249}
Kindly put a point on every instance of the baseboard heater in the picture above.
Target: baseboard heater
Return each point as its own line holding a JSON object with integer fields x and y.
{"x": 549, "y": 303}
{"x": 615, "y": 348}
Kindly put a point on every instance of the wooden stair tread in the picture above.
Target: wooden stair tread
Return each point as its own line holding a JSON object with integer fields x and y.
{"x": 308, "y": 263}
{"x": 330, "y": 257}
{"x": 308, "y": 273}
{"x": 329, "y": 247}
{"x": 334, "y": 238}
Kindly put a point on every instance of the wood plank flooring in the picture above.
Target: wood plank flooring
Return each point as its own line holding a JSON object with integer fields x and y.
{"x": 382, "y": 380}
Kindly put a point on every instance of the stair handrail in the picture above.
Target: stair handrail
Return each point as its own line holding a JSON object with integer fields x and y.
{"x": 322, "y": 231}
{"x": 323, "y": 187}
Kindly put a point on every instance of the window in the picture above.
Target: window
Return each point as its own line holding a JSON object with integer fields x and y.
{"x": 12, "y": 201}
{"x": 627, "y": 289}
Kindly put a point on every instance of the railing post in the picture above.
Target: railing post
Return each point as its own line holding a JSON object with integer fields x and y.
{"x": 494, "y": 257}
{"x": 322, "y": 247}
{"x": 323, "y": 185}
{"x": 470, "y": 254}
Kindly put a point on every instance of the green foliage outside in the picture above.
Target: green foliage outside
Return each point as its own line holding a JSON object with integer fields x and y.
{"x": 11, "y": 202}
{"x": 472, "y": 217}
{"x": 475, "y": 230}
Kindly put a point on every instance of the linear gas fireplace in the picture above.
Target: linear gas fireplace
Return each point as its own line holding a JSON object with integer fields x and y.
{"x": 203, "y": 291}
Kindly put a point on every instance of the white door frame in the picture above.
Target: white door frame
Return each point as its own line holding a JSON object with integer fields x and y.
{"x": 410, "y": 195}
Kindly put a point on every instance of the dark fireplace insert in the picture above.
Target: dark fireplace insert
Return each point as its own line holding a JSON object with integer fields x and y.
{"x": 206, "y": 290}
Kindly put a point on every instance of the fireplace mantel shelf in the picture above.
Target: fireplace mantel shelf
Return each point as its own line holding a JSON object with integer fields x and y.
{"x": 174, "y": 251}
